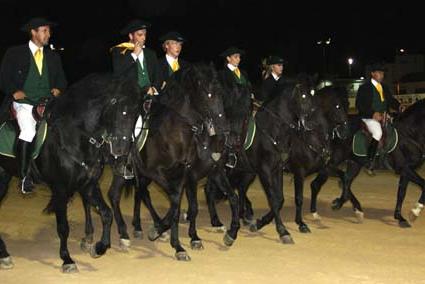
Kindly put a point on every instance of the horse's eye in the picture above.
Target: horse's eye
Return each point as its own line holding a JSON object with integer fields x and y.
{"x": 124, "y": 113}
{"x": 210, "y": 95}
{"x": 312, "y": 92}
{"x": 303, "y": 96}
{"x": 337, "y": 106}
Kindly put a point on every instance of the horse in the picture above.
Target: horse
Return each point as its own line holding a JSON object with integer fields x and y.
{"x": 95, "y": 115}
{"x": 406, "y": 157}
{"x": 289, "y": 110}
{"x": 180, "y": 136}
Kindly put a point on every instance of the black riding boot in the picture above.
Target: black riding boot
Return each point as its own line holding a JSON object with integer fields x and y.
{"x": 23, "y": 155}
{"x": 371, "y": 153}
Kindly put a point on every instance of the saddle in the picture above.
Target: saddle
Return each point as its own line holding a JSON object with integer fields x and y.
{"x": 387, "y": 144}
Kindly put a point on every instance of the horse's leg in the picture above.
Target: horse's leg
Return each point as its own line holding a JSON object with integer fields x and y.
{"x": 62, "y": 227}
{"x": 299, "y": 198}
{"x": 245, "y": 206}
{"x": 97, "y": 201}
{"x": 209, "y": 190}
{"x": 87, "y": 242}
{"x": 114, "y": 195}
{"x": 401, "y": 194}
{"x": 142, "y": 194}
{"x": 223, "y": 184}
{"x": 316, "y": 186}
{"x": 5, "y": 259}
{"x": 353, "y": 170}
{"x": 272, "y": 181}
{"x": 192, "y": 213}
{"x": 413, "y": 176}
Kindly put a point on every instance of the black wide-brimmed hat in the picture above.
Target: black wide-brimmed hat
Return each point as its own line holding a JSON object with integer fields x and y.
{"x": 172, "y": 36}
{"x": 274, "y": 59}
{"x": 377, "y": 66}
{"x": 232, "y": 50}
{"x": 35, "y": 23}
{"x": 135, "y": 25}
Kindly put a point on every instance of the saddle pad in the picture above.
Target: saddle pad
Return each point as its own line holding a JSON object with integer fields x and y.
{"x": 361, "y": 142}
{"x": 8, "y": 138}
{"x": 250, "y": 133}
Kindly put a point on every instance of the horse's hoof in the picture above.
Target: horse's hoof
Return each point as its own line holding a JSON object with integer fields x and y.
{"x": 253, "y": 228}
{"x": 247, "y": 221}
{"x": 153, "y": 234}
{"x": 165, "y": 237}
{"x": 6, "y": 263}
{"x": 97, "y": 250}
{"x": 359, "y": 215}
{"x": 196, "y": 245}
{"x": 138, "y": 235}
{"x": 303, "y": 228}
{"x": 69, "y": 268}
{"x": 184, "y": 217}
{"x": 404, "y": 224}
{"x": 86, "y": 244}
{"x": 412, "y": 216}
{"x": 220, "y": 229}
{"x": 316, "y": 216}
{"x": 287, "y": 240}
{"x": 228, "y": 240}
{"x": 125, "y": 245}
{"x": 336, "y": 204}
{"x": 182, "y": 256}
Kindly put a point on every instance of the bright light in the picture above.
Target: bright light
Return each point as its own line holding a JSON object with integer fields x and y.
{"x": 402, "y": 50}
{"x": 319, "y": 42}
{"x": 350, "y": 60}
{"x": 362, "y": 78}
{"x": 328, "y": 41}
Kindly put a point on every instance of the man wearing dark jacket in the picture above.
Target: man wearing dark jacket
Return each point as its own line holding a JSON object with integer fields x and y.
{"x": 232, "y": 73}
{"x": 132, "y": 58}
{"x": 373, "y": 101}
{"x": 29, "y": 73}
{"x": 172, "y": 44}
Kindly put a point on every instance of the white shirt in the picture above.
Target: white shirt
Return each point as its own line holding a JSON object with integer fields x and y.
{"x": 140, "y": 57}
{"x": 171, "y": 60}
{"x": 374, "y": 82}
{"x": 231, "y": 67}
{"x": 275, "y": 76}
{"x": 34, "y": 47}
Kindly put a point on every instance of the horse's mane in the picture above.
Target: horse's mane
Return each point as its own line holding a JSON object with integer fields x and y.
{"x": 82, "y": 101}
{"x": 412, "y": 121}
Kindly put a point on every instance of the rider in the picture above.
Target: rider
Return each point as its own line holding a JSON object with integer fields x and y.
{"x": 30, "y": 72}
{"x": 231, "y": 74}
{"x": 272, "y": 77}
{"x": 373, "y": 101}
{"x": 172, "y": 44}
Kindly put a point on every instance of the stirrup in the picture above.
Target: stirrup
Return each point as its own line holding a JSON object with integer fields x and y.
{"x": 232, "y": 160}
{"x": 26, "y": 186}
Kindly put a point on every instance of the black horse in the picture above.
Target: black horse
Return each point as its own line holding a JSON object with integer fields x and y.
{"x": 288, "y": 112}
{"x": 182, "y": 132}
{"x": 95, "y": 115}
{"x": 407, "y": 156}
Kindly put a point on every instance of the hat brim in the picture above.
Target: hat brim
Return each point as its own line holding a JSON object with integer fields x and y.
{"x": 28, "y": 27}
{"x": 240, "y": 51}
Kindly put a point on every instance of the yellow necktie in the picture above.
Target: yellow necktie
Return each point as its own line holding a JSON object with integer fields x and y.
{"x": 38, "y": 57}
{"x": 380, "y": 91}
{"x": 175, "y": 66}
{"x": 237, "y": 72}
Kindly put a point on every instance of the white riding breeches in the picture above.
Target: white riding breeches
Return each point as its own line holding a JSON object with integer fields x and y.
{"x": 138, "y": 127}
{"x": 26, "y": 121}
{"x": 374, "y": 127}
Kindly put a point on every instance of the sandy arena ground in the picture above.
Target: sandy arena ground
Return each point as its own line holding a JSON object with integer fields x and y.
{"x": 377, "y": 251}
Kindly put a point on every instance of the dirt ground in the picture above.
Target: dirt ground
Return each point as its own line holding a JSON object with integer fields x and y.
{"x": 344, "y": 251}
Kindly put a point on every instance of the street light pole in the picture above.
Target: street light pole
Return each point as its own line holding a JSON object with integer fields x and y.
{"x": 350, "y": 62}
{"x": 323, "y": 44}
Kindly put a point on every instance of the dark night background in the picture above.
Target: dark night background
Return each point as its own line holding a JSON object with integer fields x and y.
{"x": 365, "y": 32}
